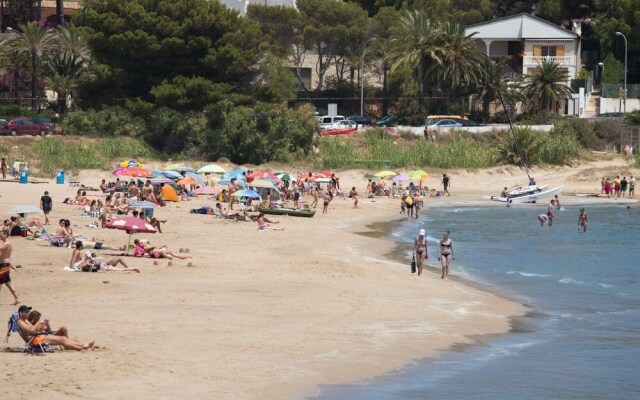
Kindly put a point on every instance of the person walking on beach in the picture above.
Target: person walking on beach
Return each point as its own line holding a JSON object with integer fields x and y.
{"x": 582, "y": 220}
{"x": 418, "y": 204}
{"x": 5, "y": 265}
{"x": 445, "y": 183}
{"x": 632, "y": 186}
{"x": 4, "y": 168}
{"x": 550, "y": 212}
{"x": 46, "y": 204}
{"x": 446, "y": 254}
{"x": 420, "y": 250}
{"x": 409, "y": 201}
{"x": 327, "y": 199}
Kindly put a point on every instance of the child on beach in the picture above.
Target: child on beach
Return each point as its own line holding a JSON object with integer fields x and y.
{"x": 403, "y": 203}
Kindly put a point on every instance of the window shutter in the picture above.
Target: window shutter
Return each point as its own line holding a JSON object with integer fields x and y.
{"x": 559, "y": 51}
{"x": 537, "y": 51}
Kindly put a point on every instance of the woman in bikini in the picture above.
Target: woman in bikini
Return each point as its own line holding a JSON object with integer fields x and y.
{"x": 446, "y": 254}
{"x": 420, "y": 250}
{"x": 162, "y": 252}
{"x": 263, "y": 226}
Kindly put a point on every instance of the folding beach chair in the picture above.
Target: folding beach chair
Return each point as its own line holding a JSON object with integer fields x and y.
{"x": 73, "y": 183}
{"x": 12, "y": 327}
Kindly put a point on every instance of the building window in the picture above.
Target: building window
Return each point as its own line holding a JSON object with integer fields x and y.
{"x": 305, "y": 76}
{"x": 548, "y": 51}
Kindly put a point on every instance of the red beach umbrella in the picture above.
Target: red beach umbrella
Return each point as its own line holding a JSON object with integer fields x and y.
{"x": 134, "y": 171}
{"x": 131, "y": 225}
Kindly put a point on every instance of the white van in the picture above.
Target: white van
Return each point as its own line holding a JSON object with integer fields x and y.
{"x": 329, "y": 122}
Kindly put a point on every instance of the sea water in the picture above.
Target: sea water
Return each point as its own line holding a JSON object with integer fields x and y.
{"x": 582, "y": 338}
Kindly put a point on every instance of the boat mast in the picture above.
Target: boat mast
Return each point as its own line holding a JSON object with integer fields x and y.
{"x": 513, "y": 133}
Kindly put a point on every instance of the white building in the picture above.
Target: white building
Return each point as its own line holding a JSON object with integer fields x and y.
{"x": 241, "y": 5}
{"x": 528, "y": 40}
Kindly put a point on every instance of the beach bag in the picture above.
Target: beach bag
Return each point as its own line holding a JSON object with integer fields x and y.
{"x": 413, "y": 265}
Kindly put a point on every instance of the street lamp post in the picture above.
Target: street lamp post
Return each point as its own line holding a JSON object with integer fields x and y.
{"x": 364, "y": 48}
{"x": 624, "y": 99}
{"x": 601, "y": 75}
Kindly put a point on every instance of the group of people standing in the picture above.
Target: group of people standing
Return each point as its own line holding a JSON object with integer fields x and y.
{"x": 421, "y": 253}
{"x": 618, "y": 187}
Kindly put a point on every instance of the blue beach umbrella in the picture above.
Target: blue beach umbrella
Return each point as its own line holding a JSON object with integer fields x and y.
{"x": 247, "y": 193}
{"x": 172, "y": 174}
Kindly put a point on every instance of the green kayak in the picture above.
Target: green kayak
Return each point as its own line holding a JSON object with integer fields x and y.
{"x": 288, "y": 211}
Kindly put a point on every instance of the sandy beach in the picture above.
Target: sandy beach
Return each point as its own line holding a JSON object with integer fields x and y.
{"x": 259, "y": 314}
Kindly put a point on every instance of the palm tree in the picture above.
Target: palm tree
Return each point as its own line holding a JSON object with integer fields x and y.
{"x": 69, "y": 64}
{"x": 546, "y": 88}
{"x": 416, "y": 46}
{"x": 14, "y": 64}
{"x": 60, "y": 13}
{"x": 34, "y": 41}
{"x": 458, "y": 63}
{"x": 490, "y": 80}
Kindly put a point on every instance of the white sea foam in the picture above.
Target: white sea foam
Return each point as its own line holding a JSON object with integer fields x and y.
{"x": 604, "y": 285}
{"x": 571, "y": 281}
{"x": 528, "y": 274}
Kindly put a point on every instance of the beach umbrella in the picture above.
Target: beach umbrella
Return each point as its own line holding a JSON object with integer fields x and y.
{"x": 419, "y": 174}
{"x": 263, "y": 183}
{"x": 131, "y": 225}
{"x": 400, "y": 178}
{"x": 325, "y": 174}
{"x": 284, "y": 176}
{"x": 182, "y": 168}
{"x": 211, "y": 169}
{"x": 134, "y": 171}
{"x": 385, "y": 174}
{"x": 158, "y": 181}
{"x": 193, "y": 175}
{"x": 207, "y": 190}
{"x": 262, "y": 175}
{"x": 186, "y": 181}
{"x": 131, "y": 164}
{"x": 375, "y": 179}
{"x": 323, "y": 180}
{"x": 247, "y": 193}
{"x": 143, "y": 204}
{"x": 25, "y": 209}
{"x": 172, "y": 166}
{"x": 172, "y": 174}
{"x": 236, "y": 173}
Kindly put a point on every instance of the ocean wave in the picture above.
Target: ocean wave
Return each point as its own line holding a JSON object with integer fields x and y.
{"x": 604, "y": 285}
{"x": 571, "y": 281}
{"x": 528, "y": 274}
{"x": 458, "y": 210}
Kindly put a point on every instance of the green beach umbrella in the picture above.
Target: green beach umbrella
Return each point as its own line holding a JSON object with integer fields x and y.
{"x": 419, "y": 174}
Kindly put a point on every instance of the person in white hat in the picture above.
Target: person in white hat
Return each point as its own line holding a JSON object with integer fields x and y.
{"x": 420, "y": 250}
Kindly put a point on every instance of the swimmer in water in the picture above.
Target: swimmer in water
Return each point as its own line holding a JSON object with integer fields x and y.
{"x": 582, "y": 221}
{"x": 543, "y": 219}
{"x": 550, "y": 212}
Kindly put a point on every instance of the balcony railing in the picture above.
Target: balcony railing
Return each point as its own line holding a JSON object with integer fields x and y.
{"x": 534, "y": 60}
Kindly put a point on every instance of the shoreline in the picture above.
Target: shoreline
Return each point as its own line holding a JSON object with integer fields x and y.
{"x": 259, "y": 315}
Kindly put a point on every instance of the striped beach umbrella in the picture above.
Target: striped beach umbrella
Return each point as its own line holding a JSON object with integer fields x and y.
{"x": 25, "y": 209}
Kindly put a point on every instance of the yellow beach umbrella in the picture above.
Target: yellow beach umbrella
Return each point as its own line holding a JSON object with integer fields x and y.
{"x": 385, "y": 174}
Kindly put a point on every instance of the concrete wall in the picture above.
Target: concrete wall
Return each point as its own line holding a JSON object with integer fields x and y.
{"x": 615, "y": 105}
{"x": 419, "y": 131}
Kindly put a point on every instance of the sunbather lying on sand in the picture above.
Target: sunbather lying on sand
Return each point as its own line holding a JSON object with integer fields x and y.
{"x": 263, "y": 226}
{"x": 49, "y": 338}
{"x": 88, "y": 262}
{"x": 155, "y": 252}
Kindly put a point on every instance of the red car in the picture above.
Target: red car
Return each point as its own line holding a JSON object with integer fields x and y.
{"x": 22, "y": 126}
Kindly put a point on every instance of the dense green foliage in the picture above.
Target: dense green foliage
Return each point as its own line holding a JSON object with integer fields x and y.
{"x": 185, "y": 54}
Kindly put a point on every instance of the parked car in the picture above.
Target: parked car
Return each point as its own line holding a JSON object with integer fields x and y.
{"x": 22, "y": 126}
{"x": 46, "y": 124}
{"x": 345, "y": 124}
{"x": 389, "y": 120}
{"x": 360, "y": 120}
{"x": 329, "y": 122}
{"x": 610, "y": 115}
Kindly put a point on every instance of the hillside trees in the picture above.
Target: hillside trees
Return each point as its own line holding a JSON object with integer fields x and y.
{"x": 182, "y": 53}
